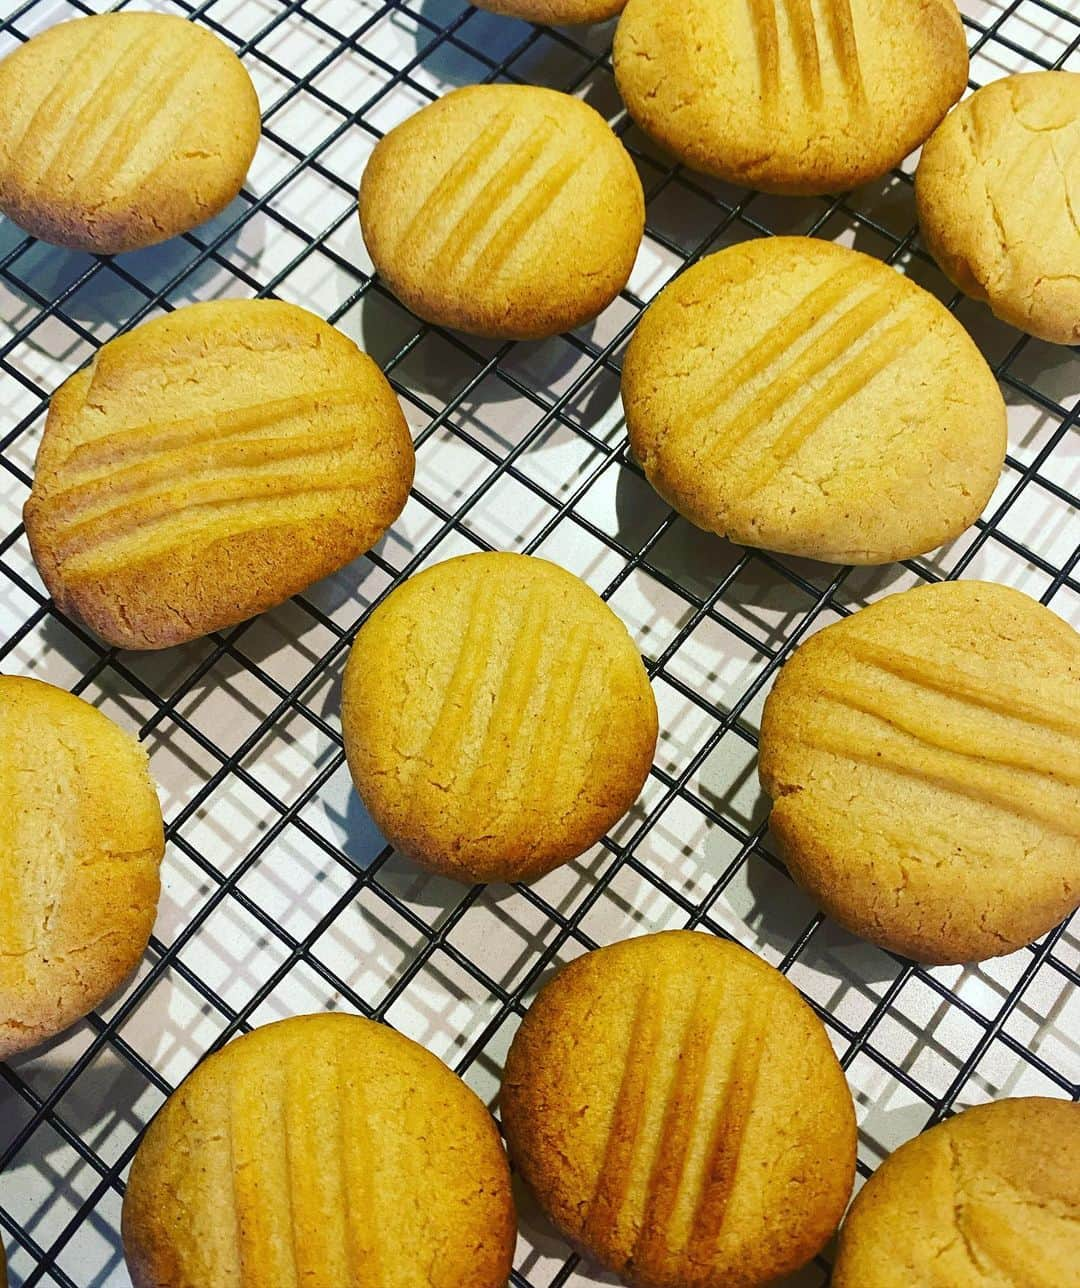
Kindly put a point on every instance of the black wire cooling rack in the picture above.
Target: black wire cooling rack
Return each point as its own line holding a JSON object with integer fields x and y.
{"x": 279, "y": 896}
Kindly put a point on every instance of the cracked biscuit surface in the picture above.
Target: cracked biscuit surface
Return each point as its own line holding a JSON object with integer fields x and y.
{"x": 998, "y": 194}
{"x": 793, "y": 394}
{"x": 120, "y": 130}
{"x": 790, "y": 96}
{"x": 208, "y": 465}
{"x": 80, "y": 843}
{"x": 923, "y": 759}
{"x": 497, "y": 717}
{"x": 987, "y": 1199}
{"x": 323, "y": 1151}
{"x": 503, "y": 210}
{"x": 678, "y": 1111}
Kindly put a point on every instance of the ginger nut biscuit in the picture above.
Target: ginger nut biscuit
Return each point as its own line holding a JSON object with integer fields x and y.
{"x": 208, "y": 465}
{"x": 988, "y": 1198}
{"x": 80, "y": 843}
{"x": 120, "y": 130}
{"x": 503, "y": 210}
{"x": 792, "y": 394}
{"x": 323, "y": 1151}
{"x": 678, "y": 1111}
{"x": 497, "y": 717}
{"x": 998, "y": 193}
{"x": 923, "y": 759}
{"x": 790, "y": 96}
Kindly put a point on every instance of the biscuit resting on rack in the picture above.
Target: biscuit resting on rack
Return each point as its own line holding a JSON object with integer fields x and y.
{"x": 923, "y": 759}
{"x": 989, "y": 1197}
{"x": 998, "y": 192}
{"x": 555, "y": 13}
{"x": 678, "y": 1111}
{"x": 792, "y": 394}
{"x": 123, "y": 129}
{"x": 503, "y": 210}
{"x": 790, "y": 96}
{"x": 497, "y": 717}
{"x": 323, "y": 1151}
{"x": 208, "y": 465}
{"x": 80, "y": 844}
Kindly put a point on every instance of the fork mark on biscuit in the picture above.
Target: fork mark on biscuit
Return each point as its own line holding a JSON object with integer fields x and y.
{"x": 563, "y": 705}
{"x": 354, "y": 1142}
{"x": 807, "y": 54}
{"x": 842, "y": 31}
{"x": 849, "y": 380}
{"x": 767, "y": 41}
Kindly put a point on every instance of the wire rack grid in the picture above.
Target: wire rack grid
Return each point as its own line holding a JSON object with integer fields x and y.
{"x": 279, "y": 895}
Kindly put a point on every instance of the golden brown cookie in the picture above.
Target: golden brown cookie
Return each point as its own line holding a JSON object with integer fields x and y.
{"x": 123, "y": 129}
{"x": 323, "y": 1151}
{"x": 503, "y": 210}
{"x": 208, "y": 465}
{"x": 923, "y": 759}
{"x": 788, "y": 96}
{"x": 679, "y": 1113}
{"x": 80, "y": 843}
{"x": 555, "y": 13}
{"x": 792, "y": 394}
{"x": 998, "y": 192}
{"x": 988, "y": 1198}
{"x": 497, "y": 717}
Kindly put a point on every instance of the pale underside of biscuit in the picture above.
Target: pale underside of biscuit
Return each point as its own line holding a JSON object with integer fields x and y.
{"x": 790, "y": 96}
{"x": 210, "y": 464}
{"x": 990, "y": 1197}
{"x": 998, "y": 192}
{"x": 80, "y": 843}
{"x": 121, "y": 130}
{"x": 679, "y": 1113}
{"x": 923, "y": 758}
{"x": 323, "y": 1151}
{"x": 792, "y": 394}
{"x": 497, "y": 717}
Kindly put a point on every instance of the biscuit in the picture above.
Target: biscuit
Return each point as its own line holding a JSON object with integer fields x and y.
{"x": 120, "y": 130}
{"x": 997, "y": 201}
{"x": 208, "y": 465}
{"x": 497, "y": 717}
{"x": 788, "y": 96}
{"x": 324, "y": 1151}
{"x": 80, "y": 843}
{"x": 555, "y": 13}
{"x": 987, "y": 1198}
{"x": 679, "y": 1113}
{"x": 923, "y": 759}
{"x": 503, "y": 210}
{"x": 792, "y": 394}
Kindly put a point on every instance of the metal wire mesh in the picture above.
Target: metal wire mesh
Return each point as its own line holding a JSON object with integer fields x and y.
{"x": 279, "y": 895}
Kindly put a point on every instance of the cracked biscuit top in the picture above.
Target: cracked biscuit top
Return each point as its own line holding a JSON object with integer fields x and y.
{"x": 792, "y": 394}
{"x": 497, "y": 717}
{"x": 790, "y": 96}
{"x": 503, "y": 210}
{"x": 80, "y": 843}
{"x": 322, "y": 1151}
{"x": 677, "y": 1110}
{"x": 989, "y": 1198}
{"x": 998, "y": 193}
{"x": 923, "y": 759}
{"x": 208, "y": 465}
{"x": 122, "y": 129}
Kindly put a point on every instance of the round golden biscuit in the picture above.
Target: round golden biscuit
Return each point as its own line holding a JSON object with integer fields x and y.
{"x": 792, "y": 394}
{"x": 323, "y": 1151}
{"x": 120, "y": 130}
{"x": 678, "y": 1111}
{"x": 998, "y": 193}
{"x": 497, "y": 717}
{"x": 80, "y": 843}
{"x": 790, "y": 96}
{"x": 988, "y": 1198}
{"x": 923, "y": 759}
{"x": 555, "y": 13}
{"x": 503, "y": 210}
{"x": 208, "y": 465}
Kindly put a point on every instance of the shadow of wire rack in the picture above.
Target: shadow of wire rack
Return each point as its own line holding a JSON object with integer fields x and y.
{"x": 279, "y": 896}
